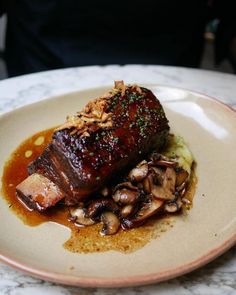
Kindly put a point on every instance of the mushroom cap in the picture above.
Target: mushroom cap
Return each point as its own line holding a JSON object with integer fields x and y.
{"x": 78, "y": 216}
{"x": 111, "y": 223}
{"x": 96, "y": 207}
{"x": 138, "y": 173}
{"x": 125, "y": 196}
{"x": 126, "y": 184}
{"x": 173, "y": 206}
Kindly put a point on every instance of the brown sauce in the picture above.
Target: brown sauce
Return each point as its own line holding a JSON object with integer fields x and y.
{"x": 83, "y": 239}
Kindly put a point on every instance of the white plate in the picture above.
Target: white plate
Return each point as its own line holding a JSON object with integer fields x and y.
{"x": 208, "y": 126}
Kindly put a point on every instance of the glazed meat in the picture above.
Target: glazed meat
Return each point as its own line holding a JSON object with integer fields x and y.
{"x": 113, "y": 133}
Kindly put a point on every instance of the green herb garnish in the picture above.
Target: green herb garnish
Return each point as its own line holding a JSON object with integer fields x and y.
{"x": 115, "y": 139}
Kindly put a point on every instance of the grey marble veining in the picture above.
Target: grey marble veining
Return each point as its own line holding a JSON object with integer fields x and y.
{"x": 218, "y": 277}
{"x": 19, "y": 91}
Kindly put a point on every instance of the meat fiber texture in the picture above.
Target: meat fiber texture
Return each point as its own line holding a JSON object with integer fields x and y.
{"x": 111, "y": 134}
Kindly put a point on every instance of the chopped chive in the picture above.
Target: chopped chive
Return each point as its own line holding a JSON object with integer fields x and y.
{"x": 123, "y": 104}
{"x": 115, "y": 139}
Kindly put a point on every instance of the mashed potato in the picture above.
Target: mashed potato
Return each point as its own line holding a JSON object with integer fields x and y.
{"x": 178, "y": 150}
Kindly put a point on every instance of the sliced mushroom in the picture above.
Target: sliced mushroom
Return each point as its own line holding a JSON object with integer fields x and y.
{"x": 96, "y": 207}
{"x": 160, "y": 192}
{"x": 138, "y": 173}
{"x": 111, "y": 223}
{"x": 127, "y": 210}
{"x": 167, "y": 163}
{"x": 147, "y": 183}
{"x": 78, "y": 216}
{"x": 126, "y": 184}
{"x": 164, "y": 191}
{"x": 181, "y": 176}
{"x": 158, "y": 174}
{"x": 169, "y": 179}
{"x": 181, "y": 187}
{"x": 155, "y": 176}
{"x": 158, "y": 159}
{"x": 154, "y": 157}
{"x": 125, "y": 196}
{"x": 148, "y": 209}
{"x": 173, "y": 206}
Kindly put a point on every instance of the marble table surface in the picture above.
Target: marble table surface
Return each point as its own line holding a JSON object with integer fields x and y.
{"x": 218, "y": 277}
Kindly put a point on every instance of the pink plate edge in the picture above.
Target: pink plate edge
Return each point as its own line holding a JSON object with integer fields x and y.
{"x": 121, "y": 282}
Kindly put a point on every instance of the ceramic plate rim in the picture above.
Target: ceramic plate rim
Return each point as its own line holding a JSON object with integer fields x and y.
{"x": 131, "y": 280}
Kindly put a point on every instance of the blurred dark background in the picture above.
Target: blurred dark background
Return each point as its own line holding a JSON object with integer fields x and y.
{"x": 49, "y": 34}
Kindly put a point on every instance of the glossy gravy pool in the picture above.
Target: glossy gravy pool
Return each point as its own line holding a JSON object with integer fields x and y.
{"x": 83, "y": 239}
